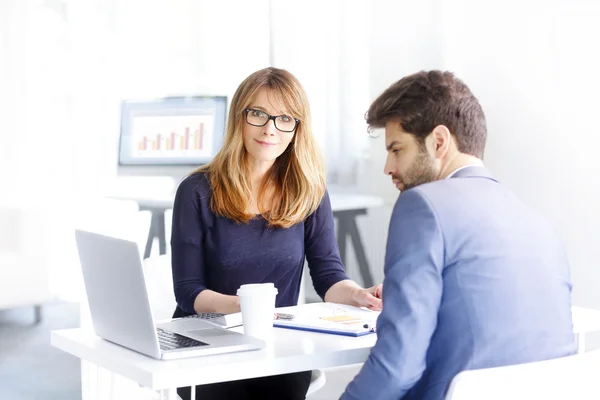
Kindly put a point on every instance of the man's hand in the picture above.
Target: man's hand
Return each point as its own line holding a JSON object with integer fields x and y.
{"x": 369, "y": 298}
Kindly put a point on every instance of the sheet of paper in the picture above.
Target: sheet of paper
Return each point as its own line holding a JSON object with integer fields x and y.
{"x": 331, "y": 316}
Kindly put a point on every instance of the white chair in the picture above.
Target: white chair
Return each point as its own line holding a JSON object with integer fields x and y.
{"x": 112, "y": 217}
{"x": 25, "y": 231}
{"x": 585, "y": 320}
{"x": 573, "y": 377}
{"x": 109, "y": 217}
{"x": 317, "y": 381}
{"x": 159, "y": 282}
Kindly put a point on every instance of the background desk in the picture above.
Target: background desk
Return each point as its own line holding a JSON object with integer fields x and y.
{"x": 346, "y": 208}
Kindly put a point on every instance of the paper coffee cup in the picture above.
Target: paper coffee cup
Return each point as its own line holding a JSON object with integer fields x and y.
{"x": 257, "y": 302}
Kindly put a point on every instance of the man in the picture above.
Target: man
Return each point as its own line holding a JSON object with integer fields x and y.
{"x": 474, "y": 278}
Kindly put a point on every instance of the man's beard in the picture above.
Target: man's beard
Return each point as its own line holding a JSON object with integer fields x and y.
{"x": 421, "y": 171}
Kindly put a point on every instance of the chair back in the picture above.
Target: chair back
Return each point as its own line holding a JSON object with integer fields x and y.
{"x": 572, "y": 377}
{"x": 159, "y": 284}
{"x": 110, "y": 217}
{"x": 24, "y": 255}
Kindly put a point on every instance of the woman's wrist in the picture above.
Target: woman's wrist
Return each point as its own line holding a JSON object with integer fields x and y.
{"x": 227, "y": 304}
{"x": 355, "y": 295}
{"x": 210, "y": 301}
{"x": 235, "y": 304}
{"x": 344, "y": 292}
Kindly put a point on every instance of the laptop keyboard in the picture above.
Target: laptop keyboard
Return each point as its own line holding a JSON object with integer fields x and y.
{"x": 207, "y": 315}
{"x": 171, "y": 341}
{"x": 223, "y": 320}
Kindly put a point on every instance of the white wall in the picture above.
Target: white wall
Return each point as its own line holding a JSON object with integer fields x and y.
{"x": 65, "y": 67}
{"x": 535, "y": 73}
{"x": 534, "y": 67}
{"x": 140, "y": 49}
{"x": 403, "y": 39}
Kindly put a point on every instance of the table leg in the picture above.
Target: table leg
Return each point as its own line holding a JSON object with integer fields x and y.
{"x": 37, "y": 310}
{"x": 157, "y": 229}
{"x": 347, "y": 226}
{"x": 341, "y": 237}
{"x": 162, "y": 240}
{"x": 89, "y": 381}
{"x": 112, "y": 386}
{"x": 150, "y": 240}
{"x": 359, "y": 250}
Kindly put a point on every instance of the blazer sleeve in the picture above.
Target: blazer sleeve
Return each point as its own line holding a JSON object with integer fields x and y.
{"x": 412, "y": 292}
{"x": 322, "y": 253}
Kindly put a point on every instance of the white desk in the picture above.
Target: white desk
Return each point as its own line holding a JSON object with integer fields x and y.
{"x": 346, "y": 207}
{"x": 290, "y": 351}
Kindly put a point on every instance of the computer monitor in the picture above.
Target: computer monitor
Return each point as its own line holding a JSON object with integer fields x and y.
{"x": 171, "y": 136}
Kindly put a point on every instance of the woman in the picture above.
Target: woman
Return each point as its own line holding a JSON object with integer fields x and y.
{"x": 253, "y": 214}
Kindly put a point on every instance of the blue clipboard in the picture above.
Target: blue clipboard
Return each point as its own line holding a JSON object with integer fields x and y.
{"x": 357, "y": 333}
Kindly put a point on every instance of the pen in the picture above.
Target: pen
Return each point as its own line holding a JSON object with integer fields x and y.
{"x": 369, "y": 327}
{"x": 283, "y": 316}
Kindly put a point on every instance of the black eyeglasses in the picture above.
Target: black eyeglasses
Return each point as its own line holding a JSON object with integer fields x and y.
{"x": 283, "y": 123}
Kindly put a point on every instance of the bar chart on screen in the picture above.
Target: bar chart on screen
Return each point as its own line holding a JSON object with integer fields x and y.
{"x": 173, "y": 135}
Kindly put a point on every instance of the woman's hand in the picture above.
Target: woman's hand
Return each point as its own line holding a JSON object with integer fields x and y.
{"x": 210, "y": 301}
{"x": 369, "y": 298}
{"x": 348, "y": 292}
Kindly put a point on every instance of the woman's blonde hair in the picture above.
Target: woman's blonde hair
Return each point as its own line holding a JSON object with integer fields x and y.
{"x": 296, "y": 181}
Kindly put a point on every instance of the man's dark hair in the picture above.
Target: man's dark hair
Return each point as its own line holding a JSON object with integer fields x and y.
{"x": 424, "y": 100}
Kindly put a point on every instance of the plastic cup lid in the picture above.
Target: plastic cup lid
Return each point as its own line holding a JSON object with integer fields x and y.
{"x": 257, "y": 288}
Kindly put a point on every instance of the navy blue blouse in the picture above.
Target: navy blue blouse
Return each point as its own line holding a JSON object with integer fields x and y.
{"x": 217, "y": 253}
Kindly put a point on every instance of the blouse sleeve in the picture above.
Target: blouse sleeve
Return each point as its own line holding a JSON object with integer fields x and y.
{"x": 187, "y": 244}
{"x": 322, "y": 253}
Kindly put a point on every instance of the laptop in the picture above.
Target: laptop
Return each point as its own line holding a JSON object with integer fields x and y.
{"x": 120, "y": 309}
